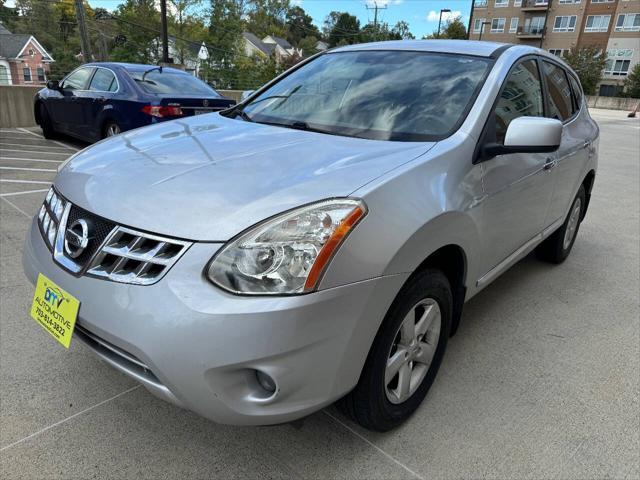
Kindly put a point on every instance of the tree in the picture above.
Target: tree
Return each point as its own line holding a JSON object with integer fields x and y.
{"x": 300, "y": 25}
{"x": 401, "y": 30}
{"x": 184, "y": 23}
{"x": 224, "y": 39}
{"x": 138, "y": 26}
{"x": 267, "y": 17}
{"x": 453, "y": 29}
{"x": 342, "y": 28}
{"x": 8, "y": 16}
{"x": 632, "y": 82}
{"x": 308, "y": 45}
{"x": 588, "y": 63}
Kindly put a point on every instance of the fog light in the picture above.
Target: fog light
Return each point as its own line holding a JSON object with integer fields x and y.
{"x": 266, "y": 381}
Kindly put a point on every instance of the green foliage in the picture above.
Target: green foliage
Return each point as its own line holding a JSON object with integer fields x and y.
{"x": 588, "y": 63}
{"x": 308, "y": 45}
{"x": 131, "y": 33}
{"x": 341, "y": 28}
{"x": 267, "y": 17}
{"x": 300, "y": 25}
{"x": 453, "y": 29}
{"x": 632, "y": 82}
{"x": 401, "y": 30}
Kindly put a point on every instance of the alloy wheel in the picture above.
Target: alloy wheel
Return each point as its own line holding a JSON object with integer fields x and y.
{"x": 412, "y": 350}
{"x": 113, "y": 130}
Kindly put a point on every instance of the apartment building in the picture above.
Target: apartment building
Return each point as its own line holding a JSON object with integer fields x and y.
{"x": 558, "y": 26}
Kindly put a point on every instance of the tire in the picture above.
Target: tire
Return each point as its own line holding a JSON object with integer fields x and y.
{"x": 557, "y": 247}
{"x": 111, "y": 129}
{"x": 380, "y": 405}
{"x": 46, "y": 124}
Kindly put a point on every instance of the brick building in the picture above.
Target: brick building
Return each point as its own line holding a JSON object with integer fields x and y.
{"x": 23, "y": 61}
{"x": 558, "y": 26}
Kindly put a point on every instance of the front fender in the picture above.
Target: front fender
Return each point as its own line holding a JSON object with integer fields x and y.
{"x": 417, "y": 209}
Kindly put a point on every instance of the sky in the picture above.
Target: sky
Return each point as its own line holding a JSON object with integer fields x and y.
{"x": 422, "y": 15}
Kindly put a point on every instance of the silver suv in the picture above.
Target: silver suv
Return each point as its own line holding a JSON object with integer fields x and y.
{"x": 318, "y": 241}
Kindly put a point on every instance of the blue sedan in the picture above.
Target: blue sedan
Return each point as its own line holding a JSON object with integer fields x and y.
{"x": 98, "y": 100}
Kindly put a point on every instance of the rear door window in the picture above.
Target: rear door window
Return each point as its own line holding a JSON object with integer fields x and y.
{"x": 560, "y": 106}
{"x": 521, "y": 96}
{"x": 103, "y": 81}
{"x": 78, "y": 79}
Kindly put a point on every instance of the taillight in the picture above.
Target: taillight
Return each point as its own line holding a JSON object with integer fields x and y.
{"x": 162, "y": 110}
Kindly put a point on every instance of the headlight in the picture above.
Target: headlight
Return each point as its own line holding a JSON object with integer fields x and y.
{"x": 49, "y": 217}
{"x": 289, "y": 253}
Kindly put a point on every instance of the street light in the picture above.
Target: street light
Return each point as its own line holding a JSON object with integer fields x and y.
{"x": 482, "y": 28}
{"x": 443, "y": 10}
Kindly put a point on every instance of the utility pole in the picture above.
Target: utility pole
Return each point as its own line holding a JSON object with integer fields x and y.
{"x": 473, "y": 6}
{"x": 165, "y": 37}
{"x": 375, "y": 8}
{"x": 84, "y": 37}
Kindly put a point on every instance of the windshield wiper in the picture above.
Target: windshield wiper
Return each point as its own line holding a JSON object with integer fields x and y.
{"x": 243, "y": 115}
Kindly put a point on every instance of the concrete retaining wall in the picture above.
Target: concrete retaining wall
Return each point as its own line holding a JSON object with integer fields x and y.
{"x": 16, "y": 106}
{"x": 612, "y": 103}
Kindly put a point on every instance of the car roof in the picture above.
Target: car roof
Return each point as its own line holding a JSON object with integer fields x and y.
{"x": 460, "y": 47}
{"x": 130, "y": 66}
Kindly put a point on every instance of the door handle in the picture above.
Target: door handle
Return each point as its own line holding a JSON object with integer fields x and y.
{"x": 586, "y": 144}
{"x": 550, "y": 164}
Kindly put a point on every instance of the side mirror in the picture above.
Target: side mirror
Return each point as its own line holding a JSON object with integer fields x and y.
{"x": 527, "y": 135}
{"x": 53, "y": 85}
{"x": 246, "y": 94}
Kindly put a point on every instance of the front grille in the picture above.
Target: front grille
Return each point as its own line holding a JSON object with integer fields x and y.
{"x": 129, "y": 256}
{"x": 101, "y": 228}
{"x": 109, "y": 251}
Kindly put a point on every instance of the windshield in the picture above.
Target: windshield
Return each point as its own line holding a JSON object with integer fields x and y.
{"x": 385, "y": 95}
{"x": 169, "y": 82}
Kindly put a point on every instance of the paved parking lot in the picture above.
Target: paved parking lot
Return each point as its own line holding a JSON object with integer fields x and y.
{"x": 542, "y": 380}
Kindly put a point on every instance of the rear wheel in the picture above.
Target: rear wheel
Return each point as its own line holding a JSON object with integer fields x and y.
{"x": 111, "y": 129}
{"x": 557, "y": 247}
{"x": 45, "y": 122}
{"x": 405, "y": 356}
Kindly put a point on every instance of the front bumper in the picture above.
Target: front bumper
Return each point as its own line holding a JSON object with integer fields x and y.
{"x": 196, "y": 346}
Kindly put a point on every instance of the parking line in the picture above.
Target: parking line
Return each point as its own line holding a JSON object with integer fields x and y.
{"x": 30, "y": 146}
{"x": 18, "y": 209}
{"x": 371, "y": 444}
{"x": 22, "y": 193}
{"x": 29, "y": 169}
{"x": 65, "y": 420}
{"x": 5, "y": 180}
{"x": 31, "y": 159}
{"x": 40, "y": 136}
{"x": 32, "y": 151}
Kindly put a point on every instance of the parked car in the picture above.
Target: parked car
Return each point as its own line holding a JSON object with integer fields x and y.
{"x": 98, "y": 100}
{"x": 318, "y": 241}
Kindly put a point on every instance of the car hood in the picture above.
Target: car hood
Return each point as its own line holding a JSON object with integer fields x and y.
{"x": 209, "y": 177}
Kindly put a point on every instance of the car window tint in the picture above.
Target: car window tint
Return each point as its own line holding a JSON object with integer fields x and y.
{"x": 577, "y": 92}
{"x": 521, "y": 97}
{"x": 77, "y": 80}
{"x": 103, "y": 81}
{"x": 168, "y": 82}
{"x": 559, "y": 92}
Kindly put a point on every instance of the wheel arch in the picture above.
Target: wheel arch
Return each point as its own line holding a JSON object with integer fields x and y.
{"x": 587, "y": 183}
{"x": 451, "y": 260}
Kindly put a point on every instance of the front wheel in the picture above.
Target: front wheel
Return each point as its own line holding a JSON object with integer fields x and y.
{"x": 557, "y": 247}
{"x": 405, "y": 356}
